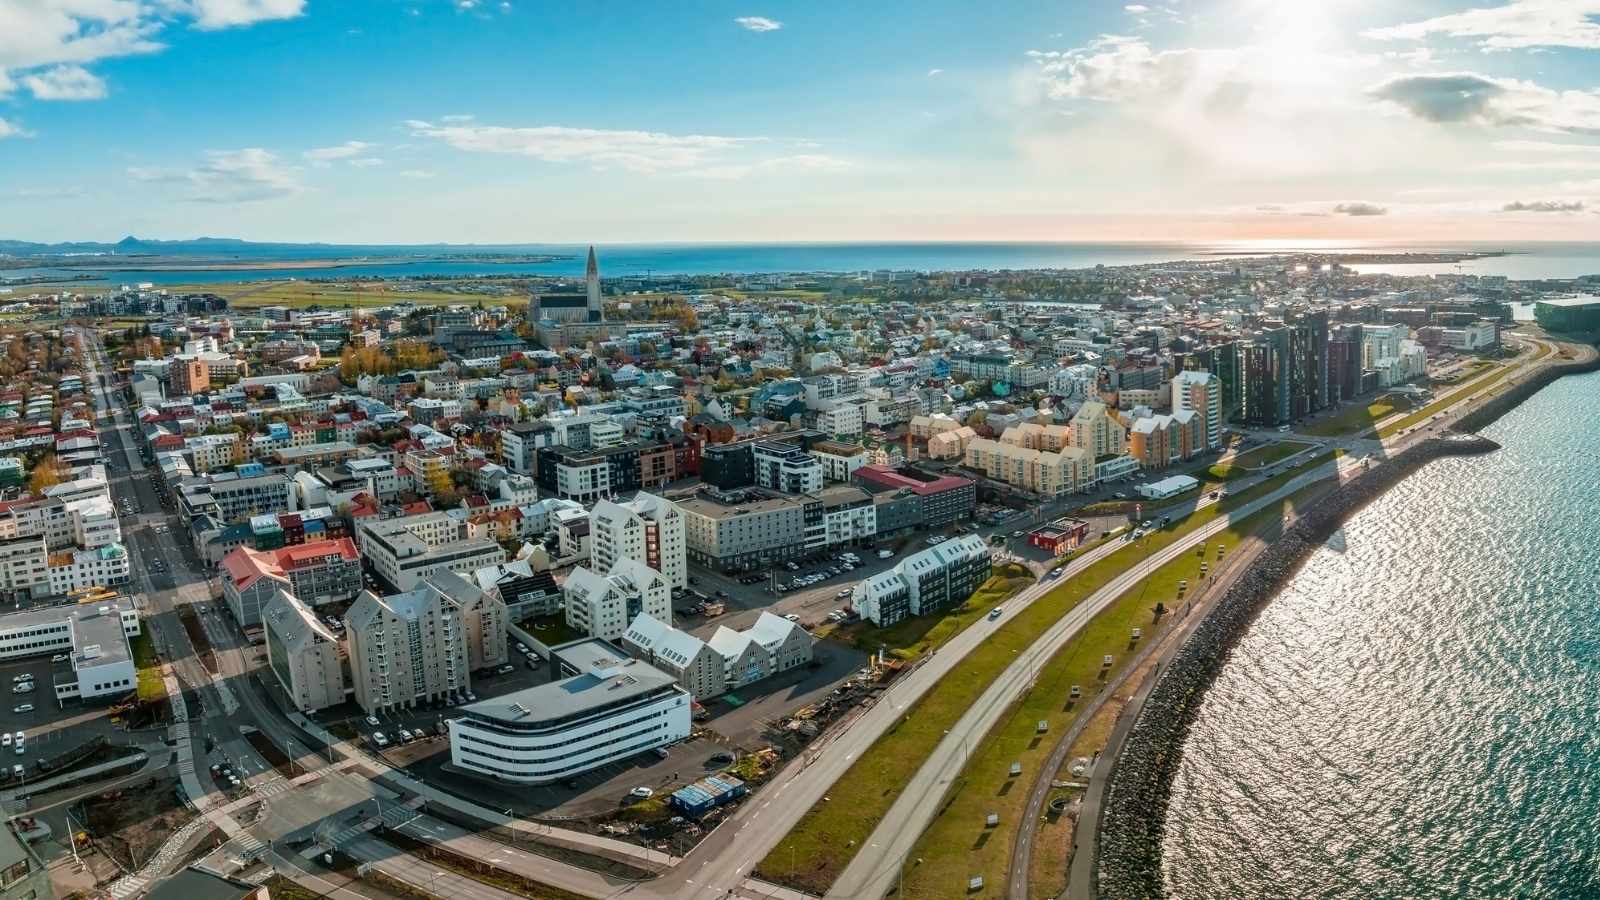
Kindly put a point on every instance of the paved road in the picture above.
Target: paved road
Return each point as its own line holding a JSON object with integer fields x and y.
{"x": 875, "y": 866}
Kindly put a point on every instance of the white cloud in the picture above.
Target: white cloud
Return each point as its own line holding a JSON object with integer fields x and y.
{"x": 346, "y": 150}
{"x": 1545, "y": 147}
{"x": 1516, "y": 25}
{"x": 1136, "y": 8}
{"x": 933, "y": 72}
{"x": 758, "y": 23}
{"x": 804, "y": 162}
{"x": 636, "y": 151}
{"x": 39, "y": 34}
{"x": 1469, "y": 98}
{"x": 464, "y": 117}
{"x": 65, "y": 83}
{"x": 416, "y": 173}
{"x": 12, "y": 130}
{"x": 228, "y": 176}
{"x": 366, "y": 162}
{"x": 210, "y": 15}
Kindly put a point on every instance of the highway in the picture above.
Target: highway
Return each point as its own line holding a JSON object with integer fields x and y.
{"x": 876, "y": 865}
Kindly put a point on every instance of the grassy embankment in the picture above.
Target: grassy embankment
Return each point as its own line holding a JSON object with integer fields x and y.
{"x": 151, "y": 687}
{"x": 820, "y": 846}
{"x": 957, "y": 844}
{"x": 1243, "y": 464}
{"x": 1355, "y": 419}
{"x": 1457, "y": 396}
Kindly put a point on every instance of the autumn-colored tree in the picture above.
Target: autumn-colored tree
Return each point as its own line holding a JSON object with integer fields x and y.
{"x": 46, "y": 472}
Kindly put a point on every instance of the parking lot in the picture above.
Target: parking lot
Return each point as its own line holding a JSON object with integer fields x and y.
{"x": 49, "y": 728}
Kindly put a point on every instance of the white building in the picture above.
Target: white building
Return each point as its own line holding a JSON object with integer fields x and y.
{"x": 648, "y": 529}
{"x": 842, "y": 418}
{"x": 607, "y": 709}
{"x": 1201, "y": 393}
{"x": 407, "y": 550}
{"x": 602, "y": 605}
{"x": 94, "y": 635}
{"x": 935, "y": 579}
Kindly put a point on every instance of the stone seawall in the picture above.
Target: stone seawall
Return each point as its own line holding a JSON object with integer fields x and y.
{"x": 1133, "y": 816}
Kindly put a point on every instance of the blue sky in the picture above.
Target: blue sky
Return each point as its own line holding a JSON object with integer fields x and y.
{"x": 451, "y": 120}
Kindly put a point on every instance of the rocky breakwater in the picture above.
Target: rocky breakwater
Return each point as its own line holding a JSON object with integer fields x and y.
{"x": 1134, "y": 812}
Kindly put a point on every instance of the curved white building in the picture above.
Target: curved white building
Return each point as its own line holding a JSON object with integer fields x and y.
{"x": 608, "y": 708}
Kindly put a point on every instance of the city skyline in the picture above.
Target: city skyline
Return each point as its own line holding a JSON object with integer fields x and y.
{"x": 514, "y": 122}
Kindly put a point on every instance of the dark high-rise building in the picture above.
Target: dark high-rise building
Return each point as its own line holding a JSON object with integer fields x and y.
{"x": 1315, "y": 321}
{"x": 1225, "y": 365}
{"x": 1344, "y": 370}
{"x": 1282, "y": 379}
{"x": 1259, "y": 377}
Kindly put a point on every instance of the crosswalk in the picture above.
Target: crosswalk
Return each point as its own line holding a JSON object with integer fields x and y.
{"x": 274, "y": 787}
{"x": 246, "y": 848}
{"x": 133, "y": 884}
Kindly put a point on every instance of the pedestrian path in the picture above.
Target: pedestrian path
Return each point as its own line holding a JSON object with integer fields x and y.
{"x": 133, "y": 884}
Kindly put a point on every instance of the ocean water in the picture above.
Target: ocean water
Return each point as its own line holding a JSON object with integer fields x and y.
{"x": 1418, "y": 714}
{"x": 1539, "y": 260}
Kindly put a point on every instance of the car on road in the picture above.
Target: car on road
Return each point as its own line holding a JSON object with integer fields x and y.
{"x": 641, "y": 793}
{"x": 22, "y": 708}
{"x": 1017, "y": 534}
{"x": 885, "y": 554}
{"x": 506, "y": 669}
{"x": 994, "y": 613}
{"x": 1120, "y": 495}
{"x": 792, "y": 617}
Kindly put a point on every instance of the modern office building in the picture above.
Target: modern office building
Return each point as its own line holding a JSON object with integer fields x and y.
{"x": 1568, "y": 314}
{"x": 302, "y": 653}
{"x": 942, "y": 499}
{"x": 786, "y": 467}
{"x": 743, "y": 530}
{"x": 648, "y": 529}
{"x": 606, "y": 708}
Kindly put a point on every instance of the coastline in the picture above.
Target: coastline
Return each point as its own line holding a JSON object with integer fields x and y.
{"x": 1131, "y": 822}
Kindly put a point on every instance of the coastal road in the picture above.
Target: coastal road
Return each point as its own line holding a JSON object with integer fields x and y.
{"x": 876, "y": 865}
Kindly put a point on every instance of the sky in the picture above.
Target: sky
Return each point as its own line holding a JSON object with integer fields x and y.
{"x": 475, "y": 121}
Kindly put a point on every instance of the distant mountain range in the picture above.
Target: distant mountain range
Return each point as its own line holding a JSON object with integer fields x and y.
{"x": 233, "y": 247}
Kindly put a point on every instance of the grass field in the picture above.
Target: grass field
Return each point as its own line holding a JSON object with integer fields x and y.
{"x": 1256, "y": 457}
{"x": 822, "y": 843}
{"x": 300, "y": 294}
{"x": 1355, "y": 418}
{"x": 151, "y": 687}
{"x": 551, "y": 630}
{"x": 957, "y": 844}
{"x": 917, "y": 635}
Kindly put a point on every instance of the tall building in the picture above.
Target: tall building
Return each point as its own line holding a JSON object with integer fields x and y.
{"x": 565, "y": 319}
{"x": 188, "y": 375}
{"x": 1200, "y": 393}
{"x": 1098, "y": 431}
{"x": 303, "y": 653}
{"x": 1225, "y": 364}
{"x": 648, "y": 529}
{"x": 405, "y": 649}
{"x": 1259, "y": 376}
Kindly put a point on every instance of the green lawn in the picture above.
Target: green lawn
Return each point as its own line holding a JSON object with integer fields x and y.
{"x": 956, "y": 844}
{"x": 300, "y": 294}
{"x": 1357, "y": 418}
{"x": 151, "y": 687}
{"x": 551, "y": 630}
{"x": 822, "y": 843}
{"x": 917, "y": 635}
{"x": 1266, "y": 455}
{"x": 1457, "y": 396}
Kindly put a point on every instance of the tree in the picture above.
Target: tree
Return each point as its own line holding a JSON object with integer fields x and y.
{"x": 47, "y": 472}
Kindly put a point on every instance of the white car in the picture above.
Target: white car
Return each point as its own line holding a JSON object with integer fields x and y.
{"x": 405, "y": 736}
{"x": 792, "y": 617}
{"x": 373, "y": 721}
{"x": 20, "y": 748}
{"x": 641, "y": 793}
{"x": 23, "y": 688}
{"x": 22, "y": 708}
{"x": 5, "y": 739}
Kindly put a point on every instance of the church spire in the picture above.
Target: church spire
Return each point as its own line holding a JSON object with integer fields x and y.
{"x": 591, "y": 284}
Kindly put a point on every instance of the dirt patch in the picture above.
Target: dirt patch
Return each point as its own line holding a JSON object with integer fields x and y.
{"x": 269, "y": 751}
{"x": 128, "y": 825}
{"x": 197, "y": 637}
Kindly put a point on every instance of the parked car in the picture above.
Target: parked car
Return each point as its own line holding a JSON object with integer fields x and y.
{"x": 373, "y": 721}
{"x": 792, "y": 617}
{"x": 641, "y": 793}
{"x": 24, "y": 688}
{"x": 21, "y": 678}
{"x": 22, "y": 708}
{"x": 405, "y": 736}
{"x": 506, "y": 669}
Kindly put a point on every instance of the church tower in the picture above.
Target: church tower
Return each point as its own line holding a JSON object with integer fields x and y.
{"x": 591, "y": 283}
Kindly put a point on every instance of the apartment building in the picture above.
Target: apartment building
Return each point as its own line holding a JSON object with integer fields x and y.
{"x": 315, "y": 573}
{"x": 408, "y": 549}
{"x": 648, "y": 528}
{"x": 303, "y": 654}
{"x": 231, "y": 497}
{"x": 743, "y": 530}
{"x": 1045, "y": 473}
{"x": 601, "y": 606}
{"x": 520, "y": 444}
{"x": 24, "y": 569}
{"x": 1200, "y": 393}
{"x": 405, "y": 649}
{"x": 74, "y": 570}
{"x": 941, "y": 499}
{"x": 839, "y": 460}
{"x": 786, "y": 467}
{"x": 1159, "y": 441}
{"x": 484, "y": 617}
{"x": 938, "y": 578}
{"x": 1097, "y": 430}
